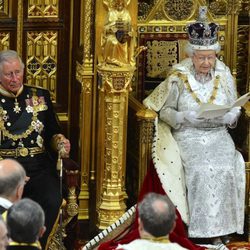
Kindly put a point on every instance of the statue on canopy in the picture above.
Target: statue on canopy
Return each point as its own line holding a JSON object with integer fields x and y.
{"x": 118, "y": 40}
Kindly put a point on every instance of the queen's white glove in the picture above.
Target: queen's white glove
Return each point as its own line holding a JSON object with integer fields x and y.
{"x": 231, "y": 116}
{"x": 190, "y": 116}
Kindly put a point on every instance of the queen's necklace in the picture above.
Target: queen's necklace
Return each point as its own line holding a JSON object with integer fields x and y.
{"x": 194, "y": 95}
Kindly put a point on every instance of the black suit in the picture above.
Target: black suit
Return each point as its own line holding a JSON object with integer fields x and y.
{"x": 30, "y": 122}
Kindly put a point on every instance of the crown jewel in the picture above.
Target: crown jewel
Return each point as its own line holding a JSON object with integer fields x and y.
{"x": 201, "y": 32}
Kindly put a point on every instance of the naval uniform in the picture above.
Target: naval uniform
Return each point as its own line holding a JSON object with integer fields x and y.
{"x": 27, "y": 126}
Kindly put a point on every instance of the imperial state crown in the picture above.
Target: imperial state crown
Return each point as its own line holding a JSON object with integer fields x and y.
{"x": 203, "y": 33}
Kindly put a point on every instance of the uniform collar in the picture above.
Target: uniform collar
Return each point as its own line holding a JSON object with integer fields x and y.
{"x": 35, "y": 244}
{"x": 162, "y": 239}
{"x": 6, "y": 93}
{"x": 5, "y": 203}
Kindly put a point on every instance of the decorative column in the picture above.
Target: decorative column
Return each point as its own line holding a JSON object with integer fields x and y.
{"x": 234, "y": 7}
{"x": 113, "y": 108}
{"x": 85, "y": 76}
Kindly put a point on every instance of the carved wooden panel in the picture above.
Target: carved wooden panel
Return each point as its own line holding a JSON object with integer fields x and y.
{"x": 44, "y": 24}
{"x": 4, "y": 8}
{"x": 8, "y": 25}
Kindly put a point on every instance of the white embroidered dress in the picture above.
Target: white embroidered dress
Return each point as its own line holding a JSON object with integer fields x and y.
{"x": 214, "y": 179}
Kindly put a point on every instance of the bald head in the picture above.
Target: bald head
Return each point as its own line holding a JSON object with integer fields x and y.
{"x": 157, "y": 214}
{"x": 12, "y": 175}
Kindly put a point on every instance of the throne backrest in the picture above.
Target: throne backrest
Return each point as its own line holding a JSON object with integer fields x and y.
{"x": 162, "y": 28}
{"x": 163, "y": 51}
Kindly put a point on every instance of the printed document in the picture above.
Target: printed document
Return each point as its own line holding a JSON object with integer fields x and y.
{"x": 210, "y": 111}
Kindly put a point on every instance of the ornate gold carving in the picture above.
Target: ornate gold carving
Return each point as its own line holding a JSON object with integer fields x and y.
{"x": 114, "y": 89}
{"x": 56, "y": 241}
{"x": 81, "y": 76}
{"x": 160, "y": 14}
{"x": 84, "y": 75}
{"x": 117, "y": 80}
{"x": 41, "y": 61}
{"x": 118, "y": 37}
{"x": 4, "y": 8}
{"x": 179, "y": 9}
{"x": 245, "y": 8}
{"x": 86, "y": 33}
{"x": 234, "y": 6}
{"x": 20, "y": 27}
{"x": 218, "y": 7}
{"x": 4, "y": 40}
{"x": 110, "y": 212}
{"x": 146, "y": 119}
{"x": 242, "y": 57}
{"x": 43, "y": 8}
{"x": 161, "y": 56}
{"x": 143, "y": 9}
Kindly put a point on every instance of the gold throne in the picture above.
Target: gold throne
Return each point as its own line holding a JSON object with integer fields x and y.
{"x": 162, "y": 29}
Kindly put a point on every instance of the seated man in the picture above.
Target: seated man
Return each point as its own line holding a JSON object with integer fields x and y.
{"x": 12, "y": 181}
{"x": 156, "y": 220}
{"x": 25, "y": 223}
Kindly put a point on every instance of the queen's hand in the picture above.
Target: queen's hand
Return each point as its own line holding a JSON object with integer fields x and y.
{"x": 231, "y": 117}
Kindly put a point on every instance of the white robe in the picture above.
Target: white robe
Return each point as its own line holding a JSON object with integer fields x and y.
{"x": 149, "y": 245}
{"x": 211, "y": 194}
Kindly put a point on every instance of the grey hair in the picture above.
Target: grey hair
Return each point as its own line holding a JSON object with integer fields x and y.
{"x": 25, "y": 218}
{"x": 7, "y": 56}
{"x": 157, "y": 214}
{"x": 10, "y": 181}
{"x": 190, "y": 49}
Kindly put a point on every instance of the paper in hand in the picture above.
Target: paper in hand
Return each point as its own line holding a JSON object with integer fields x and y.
{"x": 210, "y": 111}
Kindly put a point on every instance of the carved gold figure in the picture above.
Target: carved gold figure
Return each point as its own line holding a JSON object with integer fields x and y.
{"x": 118, "y": 40}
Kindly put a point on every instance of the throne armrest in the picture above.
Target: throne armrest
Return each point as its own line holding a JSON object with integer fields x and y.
{"x": 145, "y": 119}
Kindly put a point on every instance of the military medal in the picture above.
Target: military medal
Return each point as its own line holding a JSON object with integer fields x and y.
{"x": 16, "y": 109}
